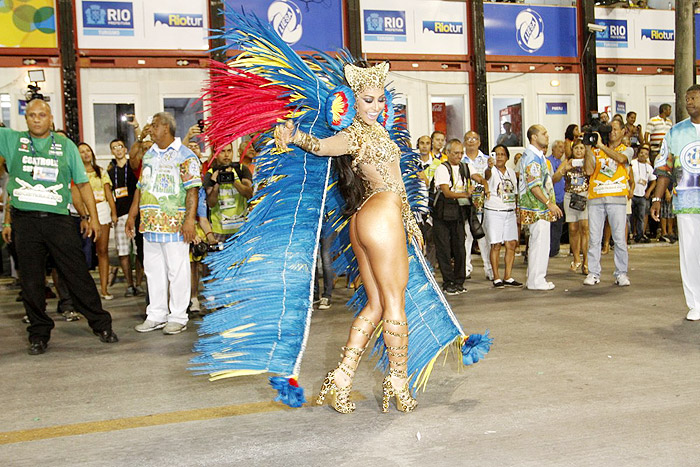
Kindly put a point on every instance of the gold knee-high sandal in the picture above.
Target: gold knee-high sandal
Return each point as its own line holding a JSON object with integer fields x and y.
{"x": 398, "y": 361}
{"x": 350, "y": 360}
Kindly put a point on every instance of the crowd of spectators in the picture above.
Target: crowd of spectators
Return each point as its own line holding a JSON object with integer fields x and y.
{"x": 592, "y": 189}
{"x": 163, "y": 203}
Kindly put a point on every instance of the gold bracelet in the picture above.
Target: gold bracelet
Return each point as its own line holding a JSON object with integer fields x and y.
{"x": 307, "y": 142}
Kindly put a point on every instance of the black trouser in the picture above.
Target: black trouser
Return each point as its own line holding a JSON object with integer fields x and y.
{"x": 555, "y": 232}
{"x": 449, "y": 239}
{"x": 39, "y": 233}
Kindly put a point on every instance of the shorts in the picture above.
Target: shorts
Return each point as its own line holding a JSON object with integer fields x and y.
{"x": 104, "y": 213}
{"x": 501, "y": 226}
{"x": 572, "y": 215}
{"x": 124, "y": 243}
{"x": 667, "y": 209}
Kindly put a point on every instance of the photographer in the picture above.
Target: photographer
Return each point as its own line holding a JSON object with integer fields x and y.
{"x": 229, "y": 186}
{"x": 607, "y": 198}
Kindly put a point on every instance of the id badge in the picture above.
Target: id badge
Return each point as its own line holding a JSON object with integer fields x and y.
{"x": 121, "y": 192}
{"x": 508, "y": 198}
{"x": 45, "y": 174}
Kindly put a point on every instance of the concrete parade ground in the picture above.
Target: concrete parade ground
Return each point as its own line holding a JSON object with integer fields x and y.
{"x": 577, "y": 376}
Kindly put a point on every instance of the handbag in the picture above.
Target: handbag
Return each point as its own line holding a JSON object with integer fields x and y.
{"x": 577, "y": 202}
{"x": 475, "y": 226}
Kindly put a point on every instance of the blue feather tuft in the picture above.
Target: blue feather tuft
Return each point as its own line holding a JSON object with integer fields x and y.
{"x": 476, "y": 347}
{"x": 287, "y": 393}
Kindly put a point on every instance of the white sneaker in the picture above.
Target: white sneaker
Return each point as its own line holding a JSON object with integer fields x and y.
{"x": 174, "y": 328}
{"x": 148, "y": 326}
{"x": 489, "y": 275}
{"x": 622, "y": 280}
{"x": 194, "y": 305}
{"x": 324, "y": 304}
{"x": 693, "y": 315}
{"x": 592, "y": 279}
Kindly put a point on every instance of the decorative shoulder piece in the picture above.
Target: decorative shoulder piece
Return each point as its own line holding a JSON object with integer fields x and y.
{"x": 340, "y": 107}
{"x": 366, "y": 78}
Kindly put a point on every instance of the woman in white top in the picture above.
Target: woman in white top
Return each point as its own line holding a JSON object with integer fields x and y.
{"x": 499, "y": 215}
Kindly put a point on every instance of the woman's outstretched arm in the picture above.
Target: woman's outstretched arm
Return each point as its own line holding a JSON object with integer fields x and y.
{"x": 285, "y": 134}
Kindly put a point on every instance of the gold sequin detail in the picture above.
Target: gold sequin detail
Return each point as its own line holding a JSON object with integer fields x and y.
{"x": 381, "y": 153}
{"x": 360, "y": 79}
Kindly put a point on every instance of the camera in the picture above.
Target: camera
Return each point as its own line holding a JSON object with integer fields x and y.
{"x": 595, "y": 125}
{"x": 200, "y": 250}
{"x": 227, "y": 176}
{"x": 35, "y": 77}
{"x": 200, "y": 122}
{"x": 33, "y": 93}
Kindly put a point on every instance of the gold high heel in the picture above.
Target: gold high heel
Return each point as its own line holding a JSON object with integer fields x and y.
{"x": 575, "y": 265}
{"x": 404, "y": 401}
{"x": 341, "y": 396}
{"x": 398, "y": 361}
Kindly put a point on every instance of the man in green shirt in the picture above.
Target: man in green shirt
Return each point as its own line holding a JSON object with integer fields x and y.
{"x": 42, "y": 165}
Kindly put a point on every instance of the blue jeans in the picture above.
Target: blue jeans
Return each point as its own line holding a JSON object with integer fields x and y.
{"x": 617, "y": 217}
{"x": 327, "y": 267}
{"x": 640, "y": 208}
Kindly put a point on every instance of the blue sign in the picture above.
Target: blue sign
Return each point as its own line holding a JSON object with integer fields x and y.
{"x": 179, "y": 20}
{"x": 556, "y": 108}
{"x": 108, "y": 18}
{"x": 520, "y": 30}
{"x": 659, "y": 34}
{"x": 385, "y": 25}
{"x": 303, "y": 24}
{"x": 620, "y": 107}
{"x": 444, "y": 27}
{"x": 615, "y": 34}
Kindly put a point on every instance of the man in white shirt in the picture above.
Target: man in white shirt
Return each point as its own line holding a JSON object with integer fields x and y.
{"x": 644, "y": 184}
{"x": 478, "y": 162}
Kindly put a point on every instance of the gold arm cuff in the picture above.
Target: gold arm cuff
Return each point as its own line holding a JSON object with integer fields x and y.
{"x": 307, "y": 142}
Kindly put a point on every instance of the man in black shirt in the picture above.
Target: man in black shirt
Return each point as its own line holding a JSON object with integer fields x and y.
{"x": 124, "y": 175}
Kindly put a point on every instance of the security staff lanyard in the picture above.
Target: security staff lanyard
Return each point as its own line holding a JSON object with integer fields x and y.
{"x": 121, "y": 191}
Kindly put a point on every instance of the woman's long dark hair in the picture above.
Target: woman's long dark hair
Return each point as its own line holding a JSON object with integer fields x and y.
{"x": 93, "y": 160}
{"x": 569, "y": 133}
{"x": 350, "y": 185}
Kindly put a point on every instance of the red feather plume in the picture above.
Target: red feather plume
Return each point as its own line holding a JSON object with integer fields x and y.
{"x": 240, "y": 103}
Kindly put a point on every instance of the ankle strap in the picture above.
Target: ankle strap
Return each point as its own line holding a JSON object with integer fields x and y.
{"x": 398, "y": 373}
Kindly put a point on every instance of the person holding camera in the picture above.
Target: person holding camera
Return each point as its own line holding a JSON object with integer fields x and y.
{"x": 576, "y": 204}
{"x": 608, "y": 190}
{"x": 449, "y": 218}
{"x": 499, "y": 215}
{"x": 538, "y": 206}
{"x": 229, "y": 186}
